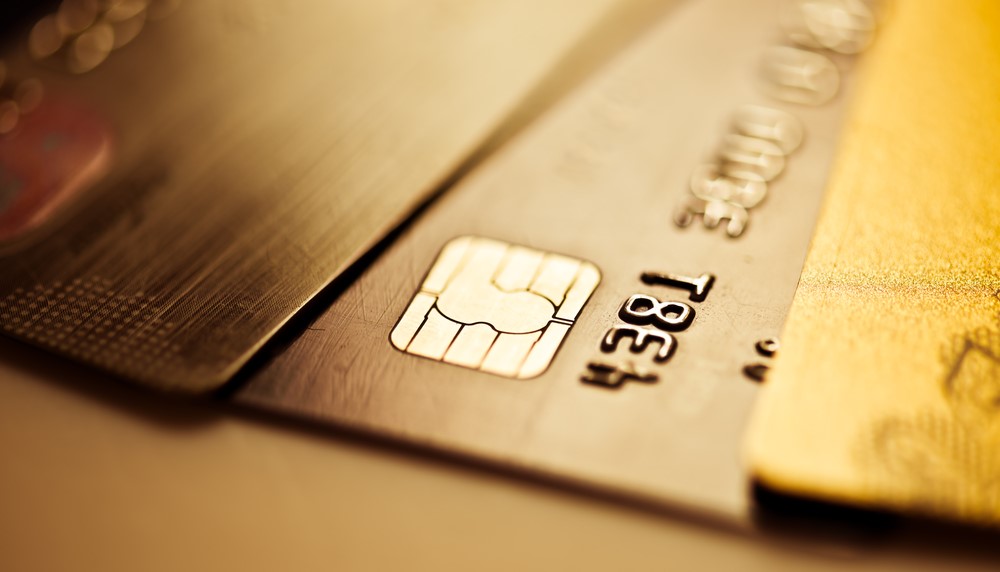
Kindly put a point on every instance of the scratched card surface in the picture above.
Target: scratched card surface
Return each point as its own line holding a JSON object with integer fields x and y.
{"x": 178, "y": 178}
{"x": 583, "y": 307}
{"x": 886, "y": 393}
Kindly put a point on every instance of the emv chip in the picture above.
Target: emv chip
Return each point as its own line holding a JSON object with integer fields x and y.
{"x": 495, "y": 307}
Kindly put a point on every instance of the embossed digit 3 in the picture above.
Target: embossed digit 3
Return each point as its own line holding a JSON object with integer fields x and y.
{"x": 641, "y": 310}
{"x": 641, "y": 338}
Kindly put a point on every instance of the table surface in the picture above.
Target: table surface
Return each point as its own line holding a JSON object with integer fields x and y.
{"x": 100, "y": 476}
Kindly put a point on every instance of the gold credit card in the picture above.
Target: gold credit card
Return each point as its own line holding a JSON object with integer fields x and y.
{"x": 886, "y": 392}
{"x": 178, "y": 179}
{"x": 582, "y": 306}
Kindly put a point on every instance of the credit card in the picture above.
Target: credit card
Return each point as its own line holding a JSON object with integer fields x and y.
{"x": 582, "y": 307}
{"x": 178, "y": 179}
{"x": 886, "y": 392}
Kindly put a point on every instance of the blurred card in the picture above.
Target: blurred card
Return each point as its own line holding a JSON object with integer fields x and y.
{"x": 886, "y": 392}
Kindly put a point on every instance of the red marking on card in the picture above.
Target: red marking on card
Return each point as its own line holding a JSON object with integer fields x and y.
{"x": 56, "y": 151}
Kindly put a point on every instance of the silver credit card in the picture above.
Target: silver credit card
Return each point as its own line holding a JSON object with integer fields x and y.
{"x": 584, "y": 306}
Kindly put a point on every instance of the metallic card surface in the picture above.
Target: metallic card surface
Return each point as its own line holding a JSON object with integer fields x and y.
{"x": 887, "y": 391}
{"x": 603, "y": 178}
{"x": 254, "y": 150}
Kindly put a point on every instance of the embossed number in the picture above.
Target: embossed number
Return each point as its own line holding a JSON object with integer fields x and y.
{"x": 641, "y": 338}
{"x": 641, "y": 310}
{"x": 697, "y": 287}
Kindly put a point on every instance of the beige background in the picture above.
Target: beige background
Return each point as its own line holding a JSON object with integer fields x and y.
{"x": 99, "y": 476}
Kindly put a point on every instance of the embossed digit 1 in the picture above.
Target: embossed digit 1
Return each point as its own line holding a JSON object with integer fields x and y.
{"x": 697, "y": 287}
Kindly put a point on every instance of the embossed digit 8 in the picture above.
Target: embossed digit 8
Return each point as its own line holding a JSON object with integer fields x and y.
{"x": 641, "y": 310}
